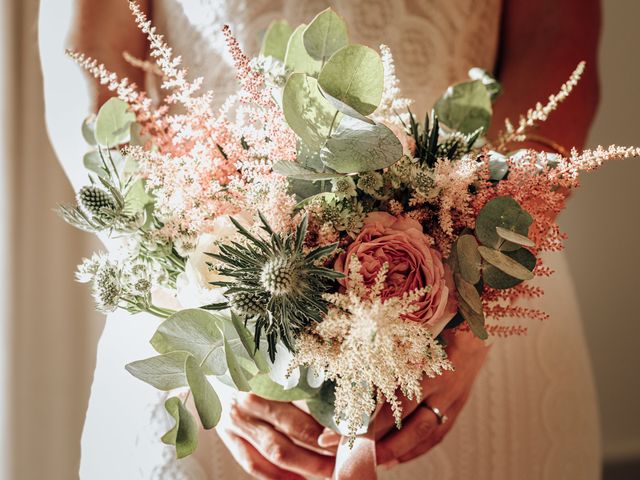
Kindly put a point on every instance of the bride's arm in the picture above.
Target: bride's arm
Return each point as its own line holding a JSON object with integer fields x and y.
{"x": 541, "y": 43}
{"x": 101, "y": 29}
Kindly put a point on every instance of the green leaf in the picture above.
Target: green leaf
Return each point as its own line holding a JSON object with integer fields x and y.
{"x": 496, "y": 278}
{"x": 204, "y": 396}
{"x": 469, "y": 260}
{"x": 113, "y": 123}
{"x": 514, "y": 237}
{"x": 474, "y": 319}
{"x": 307, "y": 112}
{"x": 263, "y": 386}
{"x": 297, "y": 171}
{"x": 353, "y": 79}
{"x": 360, "y": 147}
{"x": 465, "y": 107}
{"x": 194, "y": 331}
{"x": 502, "y": 212}
{"x": 274, "y": 43}
{"x": 235, "y": 370}
{"x": 246, "y": 338}
{"x": 297, "y": 59}
{"x": 136, "y": 198}
{"x": 184, "y": 435}
{"x": 88, "y": 129}
{"x": 505, "y": 263}
{"x": 468, "y": 293}
{"x": 164, "y": 372}
{"x": 326, "y": 34}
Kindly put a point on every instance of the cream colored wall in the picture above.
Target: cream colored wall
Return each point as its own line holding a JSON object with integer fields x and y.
{"x": 603, "y": 223}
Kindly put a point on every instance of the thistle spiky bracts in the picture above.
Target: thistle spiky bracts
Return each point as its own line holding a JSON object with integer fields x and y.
{"x": 275, "y": 286}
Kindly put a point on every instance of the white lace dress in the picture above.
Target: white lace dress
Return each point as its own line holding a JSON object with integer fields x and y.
{"x": 532, "y": 413}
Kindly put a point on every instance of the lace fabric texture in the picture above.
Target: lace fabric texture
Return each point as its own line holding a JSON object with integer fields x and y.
{"x": 532, "y": 413}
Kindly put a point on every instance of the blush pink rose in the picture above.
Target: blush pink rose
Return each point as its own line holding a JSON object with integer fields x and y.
{"x": 402, "y": 245}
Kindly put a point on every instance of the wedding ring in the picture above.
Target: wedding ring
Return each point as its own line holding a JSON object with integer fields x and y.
{"x": 436, "y": 411}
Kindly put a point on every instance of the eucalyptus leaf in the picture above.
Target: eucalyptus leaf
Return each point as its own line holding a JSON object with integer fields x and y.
{"x": 235, "y": 370}
{"x": 204, "y": 396}
{"x": 514, "y": 237}
{"x": 164, "y": 372}
{"x": 184, "y": 435}
{"x": 195, "y": 331}
{"x": 326, "y": 34}
{"x": 92, "y": 162}
{"x": 469, "y": 260}
{"x": 498, "y": 166}
{"x": 263, "y": 386}
{"x": 306, "y": 111}
{"x": 474, "y": 319}
{"x": 88, "y": 129}
{"x": 468, "y": 293}
{"x": 296, "y": 58}
{"x": 502, "y": 212}
{"x": 297, "y": 171}
{"x": 496, "y": 278}
{"x": 274, "y": 43}
{"x": 465, "y": 107}
{"x": 136, "y": 198}
{"x": 505, "y": 263}
{"x": 246, "y": 338}
{"x": 360, "y": 147}
{"x": 353, "y": 77}
{"x": 113, "y": 123}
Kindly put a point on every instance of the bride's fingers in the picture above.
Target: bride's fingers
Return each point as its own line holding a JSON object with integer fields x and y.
{"x": 421, "y": 427}
{"x": 287, "y": 418}
{"x": 436, "y": 437}
{"x": 253, "y": 463}
{"x": 278, "y": 449}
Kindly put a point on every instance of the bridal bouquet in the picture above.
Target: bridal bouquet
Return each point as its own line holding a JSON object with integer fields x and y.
{"x": 311, "y": 239}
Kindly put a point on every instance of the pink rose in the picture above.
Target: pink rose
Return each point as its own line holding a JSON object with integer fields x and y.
{"x": 401, "y": 244}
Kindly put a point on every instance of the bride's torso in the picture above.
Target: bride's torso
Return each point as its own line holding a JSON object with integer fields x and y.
{"x": 434, "y": 42}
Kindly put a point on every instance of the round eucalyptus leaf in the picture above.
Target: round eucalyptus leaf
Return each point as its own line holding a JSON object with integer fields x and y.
{"x": 498, "y": 166}
{"x": 295, "y": 170}
{"x": 514, "y": 237}
{"x": 502, "y": 212}
{"x": 88, "y": 129}
{"x": 496, "y": 278}
{"x": 306, "y": 111}
{"x": 274, "y": 43}
{"x": 505, "y": 263}
{"x": 296, "y": 58}
{"x": 468, "y": 293}
{"x": 360, "y": 147}
{"x": 326, "y": 34}
{"x": 465, "y": 107}
{"x": 184, "y": 434}
{"x": 469, "y": 260}
{"x": 354, "y": 77}
{"x": 113, "y": 123}
{"x": 205, "y": 398}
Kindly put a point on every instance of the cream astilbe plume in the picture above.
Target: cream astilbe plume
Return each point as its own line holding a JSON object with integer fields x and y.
{"x": 393, "y": 107}
{"x": 540, "y": 113}
{"x": 366, "y": 347}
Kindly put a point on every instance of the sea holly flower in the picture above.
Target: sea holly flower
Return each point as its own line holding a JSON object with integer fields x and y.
{"x": 273, "y": 284}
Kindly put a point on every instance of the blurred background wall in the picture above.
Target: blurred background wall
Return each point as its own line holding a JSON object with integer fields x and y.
{"x": 49, "y": 329}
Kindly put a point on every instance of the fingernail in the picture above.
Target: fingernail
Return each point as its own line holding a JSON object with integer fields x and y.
{"x": 328, "y": 438}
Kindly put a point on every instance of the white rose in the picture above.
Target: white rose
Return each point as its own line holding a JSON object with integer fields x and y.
{"x": 193, "y": 285}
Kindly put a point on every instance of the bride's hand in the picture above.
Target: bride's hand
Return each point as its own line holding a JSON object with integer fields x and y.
{"x": 420, "y": 428}
{"x": 275, "y": 440}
